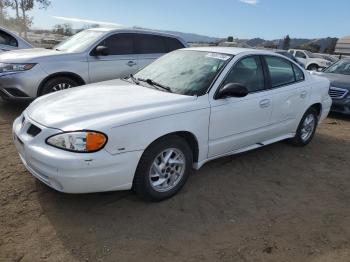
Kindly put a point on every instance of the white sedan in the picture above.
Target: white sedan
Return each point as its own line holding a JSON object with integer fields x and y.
{"x": 148, "y": 131}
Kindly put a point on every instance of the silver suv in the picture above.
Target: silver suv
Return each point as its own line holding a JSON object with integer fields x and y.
{"x": 90, "y": 56}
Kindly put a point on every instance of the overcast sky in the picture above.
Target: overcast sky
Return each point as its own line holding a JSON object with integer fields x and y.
{"x": 267, "y": 19}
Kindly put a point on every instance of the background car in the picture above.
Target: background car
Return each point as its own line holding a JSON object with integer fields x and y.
{"x": 183, "y": 110}
{"x": 310, "y": 60}
{"x": 339, "y": 75}
{"x": 11, "y": 41}
{"x": 289, "y": 55}
{"x": 90, "y": 56}
{"x": 330, "y": 58}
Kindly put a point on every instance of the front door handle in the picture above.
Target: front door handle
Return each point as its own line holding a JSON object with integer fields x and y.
{"x": 303, "y": 94}
{"x": 265, "y": 103}
{"x": 131, "y": 63}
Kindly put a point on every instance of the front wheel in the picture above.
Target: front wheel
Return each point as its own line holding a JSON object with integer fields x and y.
{"x": 306, "y": 129}
{"x": 163, "y": 169}
{"x": 58, "y": 84}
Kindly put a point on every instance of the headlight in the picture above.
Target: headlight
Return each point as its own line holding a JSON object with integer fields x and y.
{"x": 4, "y": 68}
{"x": 79, "y": 141}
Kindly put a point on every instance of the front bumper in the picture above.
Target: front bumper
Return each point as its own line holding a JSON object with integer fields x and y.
{"x": 341, "y": 105}
{"x": 21, "y": 86}
{"x": 72, "y": 172}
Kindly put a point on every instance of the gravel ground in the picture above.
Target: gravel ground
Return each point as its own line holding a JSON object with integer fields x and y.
{"x": 278, "y": 203}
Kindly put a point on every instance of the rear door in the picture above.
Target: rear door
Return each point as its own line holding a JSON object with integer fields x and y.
{"x": 121, "y": 61}
{"x": 290, "y": 94}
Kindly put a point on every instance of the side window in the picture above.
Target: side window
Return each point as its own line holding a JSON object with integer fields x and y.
{"x": 281, "y": 71}
{"x": 150, "y": 44}
{"x": 173, "y": 44}
{"x": 248, "y": 72}
{"x": 6, "y": 39}
{"x": 119, "y": 44}
{"x": 299, "y": 75}
{"x": 300, "y": 54}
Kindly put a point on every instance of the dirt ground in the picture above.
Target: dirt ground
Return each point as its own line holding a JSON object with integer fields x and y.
{"x": 278, "y": 203}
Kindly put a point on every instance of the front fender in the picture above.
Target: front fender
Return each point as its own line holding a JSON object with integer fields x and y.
{"x": 138, "y": 136}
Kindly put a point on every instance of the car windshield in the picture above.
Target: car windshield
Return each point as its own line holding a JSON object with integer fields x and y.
{"x": 185, "y": 72}
{"x": 341, "y": 67}
{"x": 79, "y": 42}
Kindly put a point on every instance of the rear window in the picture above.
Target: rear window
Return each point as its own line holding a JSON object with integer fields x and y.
{"x": 173, "y": 44}
{"x": 281, "y": 71}
{"x": 150, "y": 44}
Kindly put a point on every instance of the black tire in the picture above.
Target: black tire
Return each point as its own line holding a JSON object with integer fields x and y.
{"x": 49, "y": 86}
{"x": 298, "y": 140}
{"x": 142, "y": 181}
{"x": 312, "y": 67}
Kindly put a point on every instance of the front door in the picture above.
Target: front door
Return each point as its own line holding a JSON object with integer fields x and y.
{"x": 237, "y": 123}
{"x": 120, "y": 62}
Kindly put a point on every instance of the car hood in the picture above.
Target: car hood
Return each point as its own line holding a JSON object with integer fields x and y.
{"x": 29, "y": 55}
{"x": 115, "y": 103}
{"x": 337, "y": 80}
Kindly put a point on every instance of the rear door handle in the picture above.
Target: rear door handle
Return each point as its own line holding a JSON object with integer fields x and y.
{"x": 303, "y": 94}
{"x": 131, "y": 63}
{"x": 265, "y": 103}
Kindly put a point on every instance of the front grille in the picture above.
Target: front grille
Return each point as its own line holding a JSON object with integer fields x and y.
{"x": 337, "y": 93}
{"x": 33, "y": 130}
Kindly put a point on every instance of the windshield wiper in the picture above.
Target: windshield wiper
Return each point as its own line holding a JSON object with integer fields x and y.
{"x": 134, "y": 79}
{"x": 154, "y": 83}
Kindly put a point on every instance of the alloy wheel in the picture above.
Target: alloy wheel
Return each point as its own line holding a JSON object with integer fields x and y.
{"x": 167, "y": 170}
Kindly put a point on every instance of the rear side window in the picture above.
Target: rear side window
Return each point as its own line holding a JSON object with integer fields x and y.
{"x": 173, "y": 44}
{"x": 150, "y": 44}
{"x": 119, "y": 44}
{"x": 248, "y": 72}
{"x": 6, "y": 39}
{"x": 299, "y": 75}
{"x": 281, "y": 71}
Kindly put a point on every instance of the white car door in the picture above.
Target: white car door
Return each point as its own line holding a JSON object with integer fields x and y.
{"x": 290, "y": 94}
{"x": 301, "y": 57}
{"x": 120, "y": 62}
{"x": 237, "y": 123}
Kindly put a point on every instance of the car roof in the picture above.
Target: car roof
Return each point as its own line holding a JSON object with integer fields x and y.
{"x": 133, "y": 30}
{"x": 231, "y": 50}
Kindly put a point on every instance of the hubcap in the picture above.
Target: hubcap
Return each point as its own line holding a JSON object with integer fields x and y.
{"x": 167, "y": 170}
{"x": 60, "y": 86}
{"x": 308, "y": 127}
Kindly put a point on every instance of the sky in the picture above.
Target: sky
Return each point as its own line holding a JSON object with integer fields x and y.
{"x": 268, "y": 19}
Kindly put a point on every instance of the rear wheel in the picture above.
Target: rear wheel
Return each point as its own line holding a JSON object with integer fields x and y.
{"x": 163, "y": 169}
{"x": 306, "y": 129}
{"x": 58, "y": 84}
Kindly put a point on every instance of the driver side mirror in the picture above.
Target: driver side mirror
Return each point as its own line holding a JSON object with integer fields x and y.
{"x": 101, "y": 51}
{"x": 232, "y": 90}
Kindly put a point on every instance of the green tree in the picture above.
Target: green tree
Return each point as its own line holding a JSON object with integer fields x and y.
{"x": 230, "y": 39}
{"x": 331, "y": 46}
{"x": 286, "y": 43}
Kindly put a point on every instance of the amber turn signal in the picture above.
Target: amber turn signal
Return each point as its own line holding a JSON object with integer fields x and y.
{"x": 95, "y": 141}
